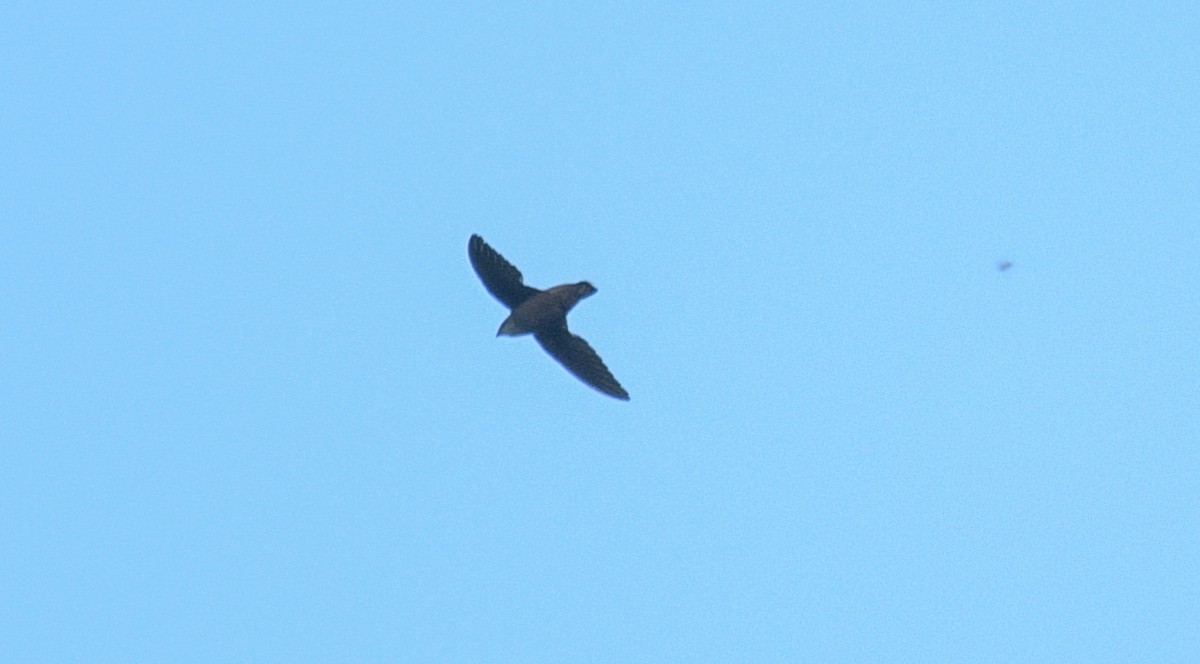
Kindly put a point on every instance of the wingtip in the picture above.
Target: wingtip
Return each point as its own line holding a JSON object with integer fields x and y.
{"x": 615, "y": 391}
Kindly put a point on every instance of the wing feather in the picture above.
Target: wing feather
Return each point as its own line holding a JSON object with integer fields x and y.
{"x": 501, "y": 278}
{"x": 577, "y": 356}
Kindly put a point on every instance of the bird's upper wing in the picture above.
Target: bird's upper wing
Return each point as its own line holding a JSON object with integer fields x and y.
{"x": 501, "y": 278}
{"x": 577, "y": 356}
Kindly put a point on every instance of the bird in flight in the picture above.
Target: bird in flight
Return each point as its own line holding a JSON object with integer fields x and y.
{"x": 544, "y": 314}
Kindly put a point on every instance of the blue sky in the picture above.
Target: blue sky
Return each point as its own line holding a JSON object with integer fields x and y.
{"x": 254, "y": 409}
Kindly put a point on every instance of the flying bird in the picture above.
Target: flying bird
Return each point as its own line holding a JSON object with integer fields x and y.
{"x": 544, "y": 314}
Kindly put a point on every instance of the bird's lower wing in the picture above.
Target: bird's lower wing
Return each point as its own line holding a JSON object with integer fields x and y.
{"x": 577, "y": 356}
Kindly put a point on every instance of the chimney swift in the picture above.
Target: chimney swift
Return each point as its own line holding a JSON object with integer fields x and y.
{"x": 544, "y": 314}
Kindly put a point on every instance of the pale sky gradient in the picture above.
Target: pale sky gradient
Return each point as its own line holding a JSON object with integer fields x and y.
{"x": 253, "y": 408}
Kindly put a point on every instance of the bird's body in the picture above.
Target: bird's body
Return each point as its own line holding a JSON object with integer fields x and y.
{"x": 542, "y": 313}
{"x": 547, "y": 308}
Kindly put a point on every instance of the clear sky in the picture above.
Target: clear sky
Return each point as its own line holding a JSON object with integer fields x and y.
{"x": 253, "y": 407}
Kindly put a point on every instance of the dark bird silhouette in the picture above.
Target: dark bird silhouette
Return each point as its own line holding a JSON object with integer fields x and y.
{"x": 544, "y": 314}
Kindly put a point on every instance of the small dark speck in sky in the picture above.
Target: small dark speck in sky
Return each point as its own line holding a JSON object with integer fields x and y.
{"x": 1003, "y": 265}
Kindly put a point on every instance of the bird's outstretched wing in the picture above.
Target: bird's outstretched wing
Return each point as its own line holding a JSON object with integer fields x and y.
{"x": 577, "y": 356}
{"x": 501, "y": 278}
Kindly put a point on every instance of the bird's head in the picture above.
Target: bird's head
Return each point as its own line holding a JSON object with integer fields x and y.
{"x": 584, "y": 289}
